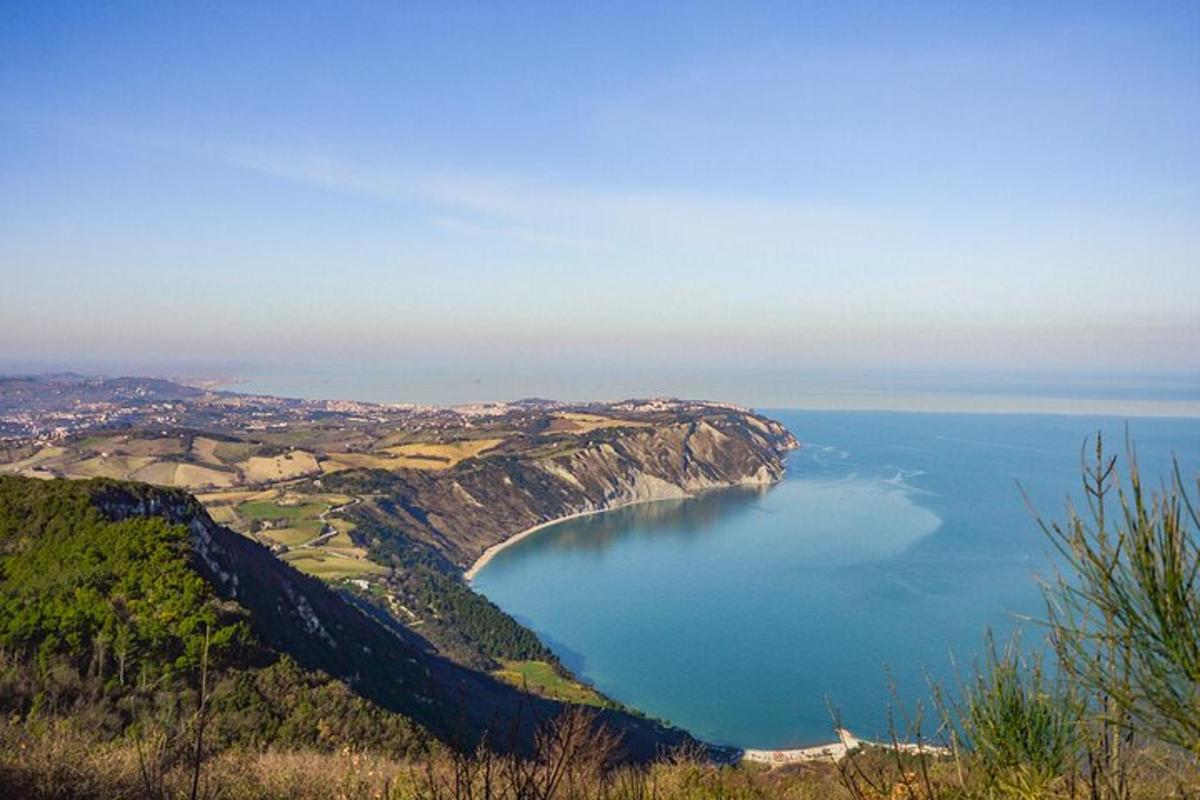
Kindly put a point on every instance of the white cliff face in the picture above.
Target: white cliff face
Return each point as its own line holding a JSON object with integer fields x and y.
{"x": 670, "y": 463}
{"x": 308, "y": 618}
{"x": 667, "y": 463}
{"x": 207, "y": 550}
{"x": 464, "y": 512}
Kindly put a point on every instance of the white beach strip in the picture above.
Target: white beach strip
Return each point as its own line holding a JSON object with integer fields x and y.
{"x": 847, "y": 743}
{"x": 491, "y": 552}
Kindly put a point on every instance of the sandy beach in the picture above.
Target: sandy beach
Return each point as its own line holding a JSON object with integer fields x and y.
{"x": 491, "y": 552}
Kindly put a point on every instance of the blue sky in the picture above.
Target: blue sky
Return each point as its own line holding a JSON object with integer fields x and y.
{"x": 788, "y": 186}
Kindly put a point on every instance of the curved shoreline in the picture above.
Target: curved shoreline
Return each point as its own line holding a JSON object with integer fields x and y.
{"x": 491, "y": 552}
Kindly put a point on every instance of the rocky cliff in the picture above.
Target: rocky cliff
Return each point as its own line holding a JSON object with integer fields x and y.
{"x": 415, "y": 638}
{"x": 461, "y": 512}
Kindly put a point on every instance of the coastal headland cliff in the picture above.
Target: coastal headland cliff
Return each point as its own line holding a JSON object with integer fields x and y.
{"x": 345, "y": 529}
{"x": 674, "y": 451}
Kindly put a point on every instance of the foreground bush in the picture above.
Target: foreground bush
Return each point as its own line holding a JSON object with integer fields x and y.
{"x": 55, "y": 761}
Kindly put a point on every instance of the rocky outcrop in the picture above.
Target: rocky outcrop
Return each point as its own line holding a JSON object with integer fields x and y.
{"x": 463, "y": 511}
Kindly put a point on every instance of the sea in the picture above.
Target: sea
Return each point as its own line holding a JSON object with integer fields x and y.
{"x": 895, "y": 543}
{"x": 757, "y": 618}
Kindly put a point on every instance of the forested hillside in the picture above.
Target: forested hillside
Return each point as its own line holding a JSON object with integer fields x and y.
{"x": 124, "y": 604}
{"x": 109, "y": 621}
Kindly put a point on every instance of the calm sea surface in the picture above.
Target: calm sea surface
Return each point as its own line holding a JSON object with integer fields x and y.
{"x": 895, "y": 540}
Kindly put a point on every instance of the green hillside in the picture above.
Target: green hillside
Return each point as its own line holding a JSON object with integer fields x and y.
{"x": 110, "y": 622}
{"x": 126, "y": 606}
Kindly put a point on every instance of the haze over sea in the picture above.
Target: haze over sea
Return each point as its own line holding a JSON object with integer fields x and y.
{"x": 1141, "y": 394}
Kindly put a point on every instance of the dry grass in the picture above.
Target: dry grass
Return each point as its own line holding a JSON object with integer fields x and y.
{"x": 58, "y": 761}
{"x": 39, "y": 464}
{"x": 329, "y": 565}
{"x": 420, "y": 455}
{"x": 157, "y": 447}
{"x": 160, "y": 473}
{"x": 148, "y": 460}
{"x": 330, "y": 498}
{"x": 205, "y": 449}
{"x": 272, "y": 469}
{"x": 222, "y": 515}
{"x": 441, "y": 455}
{"x": 292, "y": 537}
{"x": 339, "y": 540}
{"x": 347, "y": 551}
{"x": 210, "y": 499}
{"x": 111, "y": 466}
{"x": 149, "y": 469}
{"x": 233, "y": 452}
{"x": 541, "y": 678}
{"x": 575, "y": 761}
{"x": 336, "y": 462}
{"x": 40, "y": 458}
{"x": 573, "y": 422}
{"x": 194, "y": 476}
{"x": 344, "y": 527}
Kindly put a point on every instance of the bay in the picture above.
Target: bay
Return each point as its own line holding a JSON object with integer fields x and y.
{"x": 894, "y": 541}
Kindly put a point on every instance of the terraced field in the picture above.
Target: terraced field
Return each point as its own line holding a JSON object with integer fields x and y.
{"x": 577, "y": 422}
{"x": 262, "y": 488}
{"x": 301, "y": 528}
{"x": 181, "y": 460}
{"x": 418, "y": 455}
{"x": 330, "y": 565}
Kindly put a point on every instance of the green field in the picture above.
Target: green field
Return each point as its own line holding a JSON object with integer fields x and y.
{"x": 330, "y": 567}
{"x": 539, "y": 677}
{"x": 291, "y": 537}
{"x": 266, "y": 509}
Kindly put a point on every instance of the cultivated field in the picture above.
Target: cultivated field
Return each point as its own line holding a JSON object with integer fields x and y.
{"x": 541, "y": 678}
{"x": 262, "y": 477}
{"x": 417, "y": 455}
{"x": 571, "y": 422}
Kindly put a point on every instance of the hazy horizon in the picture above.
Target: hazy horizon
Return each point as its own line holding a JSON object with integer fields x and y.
{"x": 975, "y": 391}
{"x": 540, "y": 187}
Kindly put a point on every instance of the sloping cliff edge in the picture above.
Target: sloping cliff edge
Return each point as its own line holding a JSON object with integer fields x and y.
{"x": 481, "y": 504}
{"x": 709, "y": 453}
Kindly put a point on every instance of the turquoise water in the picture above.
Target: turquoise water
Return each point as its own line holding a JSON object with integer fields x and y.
{"x": 893, "y": 542}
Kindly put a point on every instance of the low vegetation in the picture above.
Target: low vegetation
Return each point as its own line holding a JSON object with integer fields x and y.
{"x": 546, "y": 679}
{"x": 423, "y": 587}
{"x": 107, "y": 626}
{"x": 116, "y": 685}
{"x": 263, "y": 459}
{"x": 574, "y": 422}
{"x": 1117, "y": 715}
